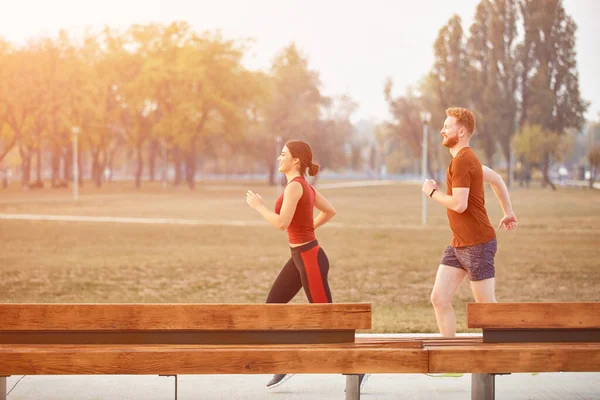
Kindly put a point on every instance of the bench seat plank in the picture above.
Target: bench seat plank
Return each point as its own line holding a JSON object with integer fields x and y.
{"x": 568, "y": 315}
{"x": 107, "y": 317}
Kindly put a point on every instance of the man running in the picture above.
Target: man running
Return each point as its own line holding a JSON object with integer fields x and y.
{"x": 474, "y": 239}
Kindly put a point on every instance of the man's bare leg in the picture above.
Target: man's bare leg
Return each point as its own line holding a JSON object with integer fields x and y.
{"x": 484, "y": 290}
{"x": 447, "y": 280}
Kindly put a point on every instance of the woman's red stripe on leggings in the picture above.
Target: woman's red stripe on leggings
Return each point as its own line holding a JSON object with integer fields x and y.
{"x": 313, "y": 274}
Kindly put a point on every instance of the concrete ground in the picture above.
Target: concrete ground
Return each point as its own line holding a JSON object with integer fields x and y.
{"x": 544, "y": 386}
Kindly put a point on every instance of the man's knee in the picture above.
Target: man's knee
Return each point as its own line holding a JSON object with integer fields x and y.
{"x": 440, "y": 301}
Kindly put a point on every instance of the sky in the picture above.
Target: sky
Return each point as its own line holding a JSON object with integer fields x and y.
{"x": 355, "y": 45}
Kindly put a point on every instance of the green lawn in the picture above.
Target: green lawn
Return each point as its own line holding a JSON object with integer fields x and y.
{"x": 378, "y": 251}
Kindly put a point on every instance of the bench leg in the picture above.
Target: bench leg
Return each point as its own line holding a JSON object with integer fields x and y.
{"x": 352, "y": 387}
{"x": 483, "y": 386}
{"x": 159, "y": 375}
{"x": 2, "y": 388}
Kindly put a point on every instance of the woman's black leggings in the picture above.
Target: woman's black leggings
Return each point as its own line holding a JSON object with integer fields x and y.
{"x": 308, "y": 269}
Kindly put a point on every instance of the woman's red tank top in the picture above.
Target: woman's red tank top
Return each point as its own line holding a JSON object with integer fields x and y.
{"x": 302, "y": 227}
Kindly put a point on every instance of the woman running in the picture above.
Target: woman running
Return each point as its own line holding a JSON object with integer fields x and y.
{"x": 308, "y": 265}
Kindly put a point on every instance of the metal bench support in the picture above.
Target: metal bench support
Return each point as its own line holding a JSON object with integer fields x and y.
{"x": 175, "y": 384}
{"x": 2, "y": 388}
{"x": 483, "y": 386}
{"x": 352, "y": 387}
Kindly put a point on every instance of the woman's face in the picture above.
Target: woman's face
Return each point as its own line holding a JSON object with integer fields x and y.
{"x": 286, "y": 162}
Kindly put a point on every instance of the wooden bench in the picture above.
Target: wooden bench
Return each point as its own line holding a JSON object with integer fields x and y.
{"x": 521, "y": 337}
{"x": 173, "y": 339}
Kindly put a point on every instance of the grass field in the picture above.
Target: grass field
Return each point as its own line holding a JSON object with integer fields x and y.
{"x": 378, "y": 251}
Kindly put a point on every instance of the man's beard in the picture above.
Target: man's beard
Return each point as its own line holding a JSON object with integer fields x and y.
{"x": 451, "y": 142}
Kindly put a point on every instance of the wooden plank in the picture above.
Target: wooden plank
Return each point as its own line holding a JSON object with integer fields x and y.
{"x": 9, "y": 348}
{"x": 451, "y": 341}
{"x": 388, "y": 342}
{"x": 167, "y": 360}
{"x": 533, "y": 315}
{"x": 507, "y": 358}
{"x": 2, "y": 388}
{"x": 200, "y": 337}
{"x": 176, "y": 337}
{"x": 107, "y": 317}
{"x": 540, "y": 335}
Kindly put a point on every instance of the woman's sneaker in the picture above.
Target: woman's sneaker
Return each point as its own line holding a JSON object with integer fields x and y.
{"x": 278, "y": 379}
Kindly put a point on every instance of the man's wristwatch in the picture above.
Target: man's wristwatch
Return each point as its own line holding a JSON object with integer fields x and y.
{"x": 432, "y": 192}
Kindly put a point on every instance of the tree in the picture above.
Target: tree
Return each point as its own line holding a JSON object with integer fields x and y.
{"x": 295, "y": 103}
{"x": 504, "y": 50}
{"x": 406, "y": 129}
{"x": 101, "y": 108}
{"x": 593, "y": 157}
{"x": 8, "y": 137}
{"x": 332, "y": 132}
{"x": 449, "y": 73}
{"x": 483, "y": 91}
{"x": 491, "y": 50}
{"x": 536, "y": 145}
{"x": 549, "y": 77}
{"x": 21, "y": 85}
{"x": 55, "y": 84}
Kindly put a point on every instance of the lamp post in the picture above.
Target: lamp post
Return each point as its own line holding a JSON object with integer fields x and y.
{"x": 75, "y": 131}
{"x": 425, "y": 117}
{"x": 277, "y": 152}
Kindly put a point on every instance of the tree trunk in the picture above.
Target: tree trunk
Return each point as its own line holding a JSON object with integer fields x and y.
{"x": 67, "y": 170}
{"x": 165, "y": 167}
{"x": 190, "y": 167}
{"x": 177, "y": 160}
{"x": 98, "y": 178}
{"x": 546, "y": 170}
{"x": 508, "y": 156}
{"x": 110, "y": 163}
{"x": 111, "y": 152}
{"x": 140, "y": 166}
{"x": 55, "y": 166}
{"x": 97, "y": 168}
{"x": 25, "y": 169}
{"x": 80, "y": 162}
{"x": 152, "y": 159}
{"x": 94, "y": 164}
{"x": 190, "y": 171}
{"x": 38, "y": 171}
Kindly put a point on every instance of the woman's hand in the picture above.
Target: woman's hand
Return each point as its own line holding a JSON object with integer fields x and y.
{"x": 253, "y": 199}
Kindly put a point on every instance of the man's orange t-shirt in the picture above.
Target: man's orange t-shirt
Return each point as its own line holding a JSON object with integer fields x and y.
{"x": 473, "y": 225}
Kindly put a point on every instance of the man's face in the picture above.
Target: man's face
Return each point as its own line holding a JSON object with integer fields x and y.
{"x": 450, "y": 132}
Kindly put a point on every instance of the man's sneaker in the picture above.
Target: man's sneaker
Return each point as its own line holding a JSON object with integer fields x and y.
{"x": 278, "y": 379}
